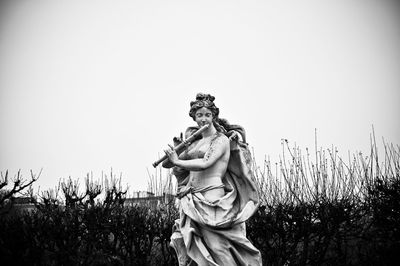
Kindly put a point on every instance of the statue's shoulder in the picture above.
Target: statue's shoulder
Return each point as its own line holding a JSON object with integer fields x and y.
{"x": 220, "y": 139}
{"x": 221, "y": 136}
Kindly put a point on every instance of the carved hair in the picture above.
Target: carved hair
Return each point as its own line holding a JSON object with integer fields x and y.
{"x": 203, "y": 100}
{"x": 222, "y": 125}
{"x": 207, "y": 101}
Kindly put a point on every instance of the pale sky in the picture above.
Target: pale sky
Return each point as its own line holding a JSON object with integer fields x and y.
{"x": 86, "y": 86}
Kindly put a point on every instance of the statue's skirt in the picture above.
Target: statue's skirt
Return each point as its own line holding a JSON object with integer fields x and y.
{"x": 214, "y": 233}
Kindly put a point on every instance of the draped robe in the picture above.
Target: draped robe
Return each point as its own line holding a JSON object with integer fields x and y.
{"x": 214, "y": 233}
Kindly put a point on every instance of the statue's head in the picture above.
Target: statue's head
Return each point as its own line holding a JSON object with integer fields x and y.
{"x": 203, "y": 100}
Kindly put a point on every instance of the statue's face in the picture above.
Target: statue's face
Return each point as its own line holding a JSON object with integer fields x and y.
{"x": 203, "y": 116}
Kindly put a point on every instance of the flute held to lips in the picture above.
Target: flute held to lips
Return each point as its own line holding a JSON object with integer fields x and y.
{"x": 182, "y": 145}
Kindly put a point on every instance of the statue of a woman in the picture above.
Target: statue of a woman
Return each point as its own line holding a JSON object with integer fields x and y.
{"x": 217, "y": 192}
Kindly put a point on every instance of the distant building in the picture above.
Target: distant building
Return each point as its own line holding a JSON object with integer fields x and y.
{"x": 24, "y": 204}
{"x": 19, "y": 205}
{"x": 144, "y": 197}
{"x": 142, "y": 194}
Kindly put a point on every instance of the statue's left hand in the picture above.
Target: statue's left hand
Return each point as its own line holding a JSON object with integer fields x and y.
{"x": 178, "y": 140}
{"x": 234, "y": 136}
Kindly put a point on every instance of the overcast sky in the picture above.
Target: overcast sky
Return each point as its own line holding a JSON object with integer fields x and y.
{"x": 94, "y": 85}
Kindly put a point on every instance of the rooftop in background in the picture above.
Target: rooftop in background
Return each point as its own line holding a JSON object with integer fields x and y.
{"x": 149, "y": 198}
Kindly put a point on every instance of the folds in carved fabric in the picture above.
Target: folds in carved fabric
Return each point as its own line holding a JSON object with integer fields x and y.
{"x": 214, "y": 232}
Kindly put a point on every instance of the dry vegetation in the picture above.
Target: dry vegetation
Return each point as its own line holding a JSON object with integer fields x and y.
{"x": 316, "y": 209}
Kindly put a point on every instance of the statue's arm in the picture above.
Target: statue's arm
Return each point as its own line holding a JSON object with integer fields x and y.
{"x": 213, "y": 154}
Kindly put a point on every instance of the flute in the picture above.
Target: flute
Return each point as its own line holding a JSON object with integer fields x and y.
{"x": 182, "y": 145}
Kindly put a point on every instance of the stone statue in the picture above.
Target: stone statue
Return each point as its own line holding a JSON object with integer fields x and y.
{"x": 216, "y": 189}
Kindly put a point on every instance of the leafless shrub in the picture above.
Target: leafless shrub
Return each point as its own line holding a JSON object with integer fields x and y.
{"x": 19, "y": 186}
{"x": 317, "y": 209}
{"x": 161, "y": 182}
{"x": 89, "y": 226}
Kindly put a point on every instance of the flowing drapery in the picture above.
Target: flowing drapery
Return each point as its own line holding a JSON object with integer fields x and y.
{"x": 214, "y": 233}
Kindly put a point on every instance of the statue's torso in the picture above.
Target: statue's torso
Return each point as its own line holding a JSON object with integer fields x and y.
{"x": 213, "y": 175}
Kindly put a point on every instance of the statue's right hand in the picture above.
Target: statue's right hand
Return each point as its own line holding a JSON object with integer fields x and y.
{"x": 171, "y": 153}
